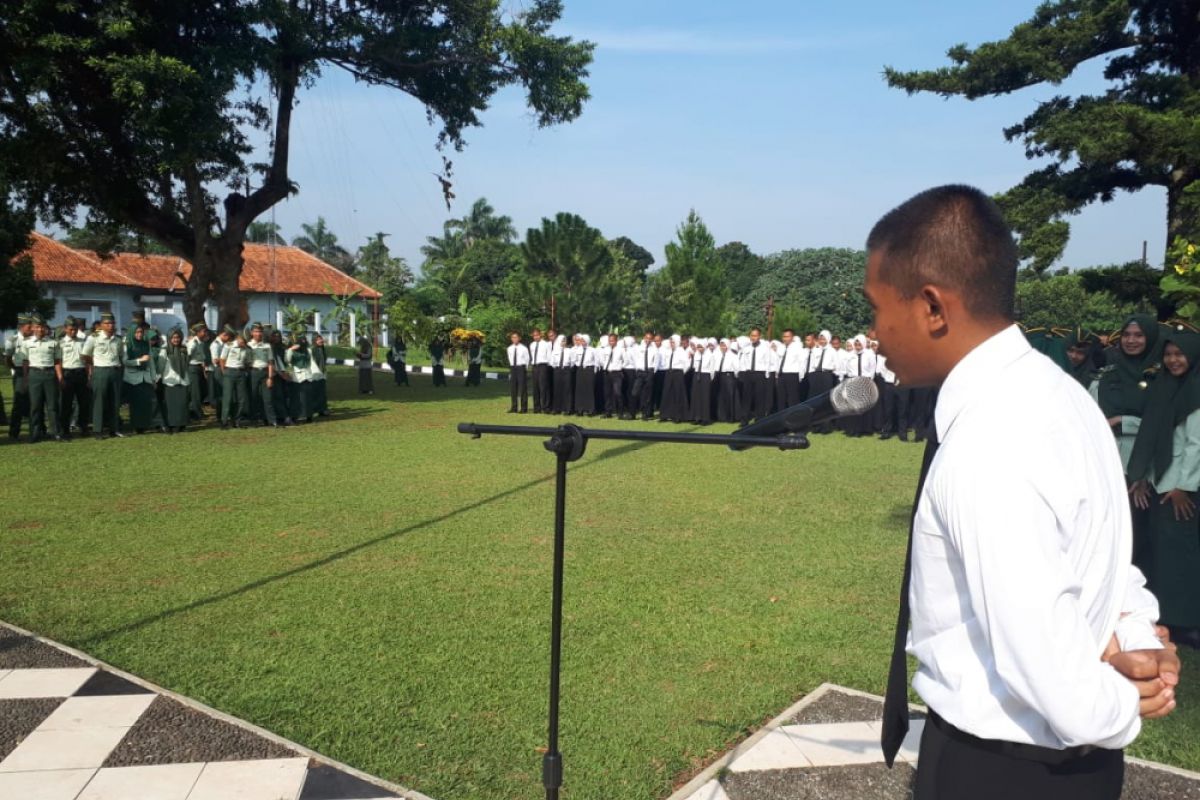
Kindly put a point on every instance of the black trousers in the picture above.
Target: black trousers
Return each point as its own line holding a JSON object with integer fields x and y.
{"x": 727, "y": 406}
{"x": 756, "y": 395}
{"x": 74, "y": 396}
{"x": 517, "y": 388}
{"x": 561, "y": 401}
{"x": 614, "y": 393}
{"x": 789, "y": 382}
{"x": 541, "y": 388}
{"x": 642, "y": 395}
{"x": 957, "y": 766}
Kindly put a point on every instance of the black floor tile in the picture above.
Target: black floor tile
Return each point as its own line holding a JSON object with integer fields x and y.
{"x": 328, "y": 783}
{"x": 104, "y": 682}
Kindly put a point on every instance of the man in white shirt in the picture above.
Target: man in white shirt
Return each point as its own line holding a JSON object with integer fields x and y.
{"x": 539, "y": 355}
{"x": 791, "y": 367}
{"x": 614, "y": 377}
{"x": 645, "y": 366}
{"x": 518, "y": 363}
{"x": 1018, "y": 574}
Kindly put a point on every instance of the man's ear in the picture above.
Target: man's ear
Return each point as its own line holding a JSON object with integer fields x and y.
{"x": 933, "y": 310}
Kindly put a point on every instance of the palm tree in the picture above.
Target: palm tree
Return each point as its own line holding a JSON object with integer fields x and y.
{"x": 321, "y": 242}
{"x": 264, "y": 233}
{"x": 481, "y": 222}
{"x": 440, "y": 250}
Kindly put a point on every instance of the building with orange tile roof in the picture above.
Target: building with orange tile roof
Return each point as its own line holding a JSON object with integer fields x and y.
{"x": 85, "y": 284}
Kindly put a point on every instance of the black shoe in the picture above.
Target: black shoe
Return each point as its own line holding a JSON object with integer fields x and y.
{"x": 118, "y": 435}
{"x": 100, "y": 437}
{"x": 512, "y": 411}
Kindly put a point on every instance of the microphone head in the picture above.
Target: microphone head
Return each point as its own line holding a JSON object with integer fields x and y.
{"x": 854, "y": 396}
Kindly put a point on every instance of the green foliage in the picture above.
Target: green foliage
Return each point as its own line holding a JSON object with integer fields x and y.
{"x": 409, "y": 321}
{"x": 18, "y": 291}
{"x": 1181, "y": 283}
{"x": 497, "y": 320}
{"x": 825, "y": 282}
{"x": 318, "y": 240}
{"x": 639, "y": 257}
{"x": 569, "y": 267}
{"x": 378, "y": 268}
{"x": 295, "y": 316}
{"x": 264, "y": 233}
{"x": 742, "y": 266}
{"x": 798, "y": 318}
{"x": 689, "y": 294}
{"x": 107, "y": 238}
{"x": 147, "y": 114}
{"x": 429, "y": 299}
{"x": 1133, "y": 283}
{"x": 1062, "y": 301}
{"x": 1142, "y": 132}
{"x": 477, "y": 271}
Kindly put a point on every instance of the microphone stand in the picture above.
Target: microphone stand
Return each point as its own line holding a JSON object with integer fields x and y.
{"x": 568, "y": 443}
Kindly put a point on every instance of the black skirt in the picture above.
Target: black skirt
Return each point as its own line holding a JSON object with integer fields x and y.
{"x": 585, "y": 390}
{"x": 674, "y": 397}
{"x": 702, "y": 398}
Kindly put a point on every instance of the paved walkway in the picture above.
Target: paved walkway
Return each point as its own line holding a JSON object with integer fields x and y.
{"x": 826, "y": 747}
{"x": 74, "y": 729}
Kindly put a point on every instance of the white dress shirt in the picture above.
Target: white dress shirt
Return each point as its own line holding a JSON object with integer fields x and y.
{"x": 861, "y": 367}
{"x": 1021, "y": 558}
{"x": 562, "y": 357}
{"x": 614, "y": 359}
{"x": 727, "y": 362}
{"x": 881, "y": 369}
{"x": 518, "y": 355}
{"x": 791, "y": 359}
{"x": 539, "y": 352}
{"x": 676, "y": 358}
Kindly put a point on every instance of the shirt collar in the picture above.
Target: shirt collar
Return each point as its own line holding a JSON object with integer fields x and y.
{"x": 970, "y": 377}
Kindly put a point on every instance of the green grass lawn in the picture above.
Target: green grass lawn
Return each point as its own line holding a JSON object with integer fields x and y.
{"x": 377, "y": 586}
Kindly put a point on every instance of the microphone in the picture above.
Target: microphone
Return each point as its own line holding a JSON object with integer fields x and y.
{"x": 849, "y": 398}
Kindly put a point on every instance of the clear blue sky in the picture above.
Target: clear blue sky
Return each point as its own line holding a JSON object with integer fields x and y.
{"x": 770, "y": 118}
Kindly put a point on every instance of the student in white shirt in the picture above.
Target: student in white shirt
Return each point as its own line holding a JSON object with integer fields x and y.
{"x": 645, "y": 366}
{"x": 585, "y": 376}
{"x": 628, "y": 374}
{"x": 791, "y": 368}
{"x": 518, "y": 363}
{"x": 701, "y": 400}
{"x": 860, "y": 364}
{"x": 561, "y": 368}
{"x": 539, "y": 356}
{"x": 676, "y": 364}
{"x": 1018, "y": 578}
{"x": 727, "y": 381}
{"x": 613, "y": 368}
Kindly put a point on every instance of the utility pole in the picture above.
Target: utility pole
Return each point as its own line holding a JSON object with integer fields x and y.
{"x": 770, "y": 307}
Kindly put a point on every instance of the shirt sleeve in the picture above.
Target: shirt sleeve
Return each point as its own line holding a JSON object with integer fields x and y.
{"x": 88, "y": 347}
{"x": 1130, "y": 425}
{"x": 1189, "y": 460}
{"x": 1026, "y": 601}
{"x": 1139, "y": 613}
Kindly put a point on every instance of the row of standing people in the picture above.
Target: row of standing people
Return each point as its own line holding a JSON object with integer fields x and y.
{"x": 70, "y": 379}
{"x": 703, "y": 380}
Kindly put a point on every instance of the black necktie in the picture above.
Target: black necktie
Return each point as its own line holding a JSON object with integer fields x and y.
{"x": 562, "y": 357}
{"x": 722, "y": 367}
{"x": 783, "y": 361}
{"x": 646, "y": 366}
{"x": 860, "y": 365}
{"x": 808, "y": 362}
{"x": 895, "y": 703}
{"x": 610, "y": 355}
{"x": 821, "y": 363}
{"x": 753, "y": 356}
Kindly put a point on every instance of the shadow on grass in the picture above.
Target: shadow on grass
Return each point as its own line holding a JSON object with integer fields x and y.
{"x": 345, "y": 553}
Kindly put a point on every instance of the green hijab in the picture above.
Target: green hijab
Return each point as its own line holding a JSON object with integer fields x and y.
{"x": 136, "y": 348}
{"x": 177, "y": 355}
{"x": 1169, "y": 402}
{"x": 1123, "y": 383}
{"x": 1085, "y": 340}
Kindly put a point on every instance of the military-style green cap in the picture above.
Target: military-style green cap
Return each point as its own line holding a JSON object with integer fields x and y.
{"x": 36, "y": 319}
{"x": 199, "y": 326}
{"x": 107, "y": 316}
{"x": 23, "y": 319}
{"x": 230, "y": 330}
{"x": 258, "y": 326}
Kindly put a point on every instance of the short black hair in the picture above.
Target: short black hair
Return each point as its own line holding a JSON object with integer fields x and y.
{"x": 789, "y": 330}
{"x": 952, "y": 236}
{"x": 754, "y": 328}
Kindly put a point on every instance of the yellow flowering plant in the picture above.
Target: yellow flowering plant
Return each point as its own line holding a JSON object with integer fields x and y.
{"x": 462, "y": 337}
{"x": 1181, "y": 279}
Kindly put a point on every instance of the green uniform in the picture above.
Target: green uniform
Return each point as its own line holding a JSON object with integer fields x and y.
{"x": 199, "y": 360}
{"x": 75, "y": 402}
{"x": 43, "y": 358}
{"x": 235, "y": 388}
{"x": 107, "y": 354}
{"x": 20, "y": 407}
{"x": 172, "y": 366}
{"x": 316, "y": 371}
{"x": 216, "y": 350}
{"x": 261, "y": 361}
{"x": 300, "y": 385}
{"x": 139, "y": 377}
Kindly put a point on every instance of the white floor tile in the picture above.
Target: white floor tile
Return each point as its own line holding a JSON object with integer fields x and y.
{"x": 164, "y": 782}
{"x": 106, "y": 711}
{"x": 266, "y": 779}
{"x": 838, "y": 743}
{"x": 43, "y": 750}
{"x": 776, "y": 750}
{"x": 912, "y": 741}
{"x": 57, "y": 785}
{"x": 713, "y": 790}
{"x": 22, "y": 683}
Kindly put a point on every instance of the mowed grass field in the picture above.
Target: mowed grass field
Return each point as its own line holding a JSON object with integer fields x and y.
{"x": 377, "y": 586}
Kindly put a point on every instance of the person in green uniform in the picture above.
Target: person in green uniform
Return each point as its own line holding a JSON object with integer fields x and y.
{"x": 235, "y": 375}
{"x": 437, "y": 356}
{"x": 43, "y": 376}
{"x": 397, "y": 359}
{"x": 262, "y": 378}
{"x": 1165, "y": 464}
{"x": 317, "y": 369}
{"x": 104, "y": 354}
{"x": 14, "y": 354}
{"x": 280, "y": 394}
{"x": 74, "y": 404}
{"x": 363, "y": 353}
{"x": 199, "y": 363}
{"x": 474, "y": 363}
{"x": 1120, "y": 389}
{"x": 1080, "y": 344}
{"x": 298, "y": 360}
{"x": 216, "y": 379}
{"x": 138, "y": 379}
{"x": 175, "y": 374}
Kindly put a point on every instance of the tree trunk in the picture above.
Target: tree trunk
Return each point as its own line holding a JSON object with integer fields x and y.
{"x": 216, "y": 272}
{"x": 1183, "y": 207}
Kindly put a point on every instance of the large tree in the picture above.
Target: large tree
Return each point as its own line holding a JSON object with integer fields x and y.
{"x": 18, "y": 290}
{"x": 568, "y": 275}
{"x": 1143, "y": 131}
{"x": 144, "y": 113}
{"x": 378, "y": 268}
{"x": 690, "y": 294}
{"x": 826, "y": 282}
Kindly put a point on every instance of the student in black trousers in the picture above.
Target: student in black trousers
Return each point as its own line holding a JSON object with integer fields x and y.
{"x": 539, "y": 354}
{"x": 518, "y": 363}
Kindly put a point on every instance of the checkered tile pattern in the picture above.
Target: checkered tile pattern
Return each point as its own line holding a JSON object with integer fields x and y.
{"x": 72, "y": 730}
